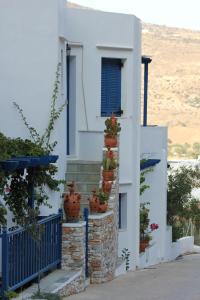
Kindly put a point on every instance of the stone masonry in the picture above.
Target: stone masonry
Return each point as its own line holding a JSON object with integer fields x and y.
{"x": 74, "y": 287}
{"x": 101, "y": 251}
{"x": 102, "y": 243}
{"x": 73, "y": 252}
{"x": 103, "y": 237}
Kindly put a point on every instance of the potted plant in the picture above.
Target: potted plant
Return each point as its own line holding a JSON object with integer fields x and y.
{"x": 94, "y": 202}
{"x": 72, "y": 203}
{"x": 111, "y": 131}
{"x": 109, "y": 165}
{"x": 144, "y": 223}
{"x": 103, "y": 201}
{"x": 107, "y": 186}
{"x": 145, "y": 228}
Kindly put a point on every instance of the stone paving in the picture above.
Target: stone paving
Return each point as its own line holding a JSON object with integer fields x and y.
{"x": 178, "y": 280}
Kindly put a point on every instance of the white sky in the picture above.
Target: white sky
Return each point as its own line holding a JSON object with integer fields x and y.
{"x": 177, "y": 13}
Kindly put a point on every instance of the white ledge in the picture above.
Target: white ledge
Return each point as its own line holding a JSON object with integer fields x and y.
{"x": 124, "y": 182}
{"x": 114, "y": 47}
{"x": 123, "y": 117}
{"x": 61, "y": 286}
{"x": 74, "y": 225}
{"x": 100, "y": 216}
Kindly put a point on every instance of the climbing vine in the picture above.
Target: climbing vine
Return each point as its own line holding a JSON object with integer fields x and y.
{"x": 15, "y": 185}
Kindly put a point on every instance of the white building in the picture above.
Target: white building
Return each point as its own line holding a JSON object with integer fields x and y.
{"x": 34, "y": 37}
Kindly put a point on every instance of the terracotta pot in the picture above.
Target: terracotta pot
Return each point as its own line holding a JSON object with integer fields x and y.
{"x": 72, "y": 204}
{"x": 94, "y": 203}
{"x": 110, "y": 141}
{"x": 108, "y": 175}
{"x": 103, "y": 207}
{"x": 107, "y": 186}
{"x": 143, "y": 245}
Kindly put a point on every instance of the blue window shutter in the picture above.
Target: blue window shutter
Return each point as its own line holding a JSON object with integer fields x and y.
{"x": 111, "y": 87}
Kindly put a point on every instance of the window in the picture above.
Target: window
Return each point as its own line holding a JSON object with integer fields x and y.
{"x": 111, "y": 87}
{"x": 122, "y": 211}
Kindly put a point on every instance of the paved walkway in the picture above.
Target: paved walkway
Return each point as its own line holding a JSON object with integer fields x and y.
{"x": 178, "y": 280}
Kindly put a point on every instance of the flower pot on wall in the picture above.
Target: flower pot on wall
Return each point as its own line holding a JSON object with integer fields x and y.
{"x": 94, "y": 203}
{"x": 111, "y": 131}
{"x": 72, "y": 204}
{"x": 143, "y": 245}
{"x": 108, "y": 175}
{"x": 107, "y": 186}
{"x": 110, "y": 141}
{"x": 103, "y": 207}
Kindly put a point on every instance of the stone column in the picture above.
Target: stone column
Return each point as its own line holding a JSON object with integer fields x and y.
{"x": 73, "y": 247}
{"x": 102, "y": 247}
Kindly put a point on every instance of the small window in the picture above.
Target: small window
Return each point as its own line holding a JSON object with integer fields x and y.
{"x": 111, "y": 87}
{"x": 122, "y": 211}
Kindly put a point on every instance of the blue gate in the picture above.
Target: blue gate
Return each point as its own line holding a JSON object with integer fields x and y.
{"x": 24, "y": 258}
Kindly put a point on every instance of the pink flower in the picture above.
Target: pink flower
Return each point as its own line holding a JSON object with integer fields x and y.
{"x": 7, "y": 189}
{"x": 154, "y": 226}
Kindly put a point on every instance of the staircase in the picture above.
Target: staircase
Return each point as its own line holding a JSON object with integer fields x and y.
{"x": 86, "y": 175}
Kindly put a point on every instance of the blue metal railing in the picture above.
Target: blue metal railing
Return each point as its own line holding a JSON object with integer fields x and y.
{"x": 86, "y": 214}
{"x": 24, "y": 258}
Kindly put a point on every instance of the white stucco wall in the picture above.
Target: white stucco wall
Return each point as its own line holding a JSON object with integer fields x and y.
{"x": 29, "y": 53}
{"x": 154, "y": 145}
{"x": 33, "y": 33}
{"x": 93, "y": 35}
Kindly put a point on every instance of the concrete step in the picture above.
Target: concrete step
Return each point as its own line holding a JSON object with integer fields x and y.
{"x": 83, "y": 166}
{"x": 83, "y": 177}
{"x": 56, "y": 282}
{"x": 86, "y": 187}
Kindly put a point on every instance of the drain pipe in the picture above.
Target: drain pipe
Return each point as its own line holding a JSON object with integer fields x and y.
{"x": 146, "y": 61}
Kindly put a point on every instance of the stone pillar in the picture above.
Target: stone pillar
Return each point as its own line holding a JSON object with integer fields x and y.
{"x": 102, "y": 247}
{"x": 73, "y": 247}
{"x": 103, "y": 236}
{"x": 113, "y": 202}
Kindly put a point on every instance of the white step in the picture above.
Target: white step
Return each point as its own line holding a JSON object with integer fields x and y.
{"x": 53, "y": 283}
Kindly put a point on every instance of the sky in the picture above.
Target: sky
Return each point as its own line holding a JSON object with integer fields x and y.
{"x": 176, "y": 13}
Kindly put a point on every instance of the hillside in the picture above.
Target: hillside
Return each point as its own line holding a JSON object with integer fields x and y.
{"x": 174, "y": 83}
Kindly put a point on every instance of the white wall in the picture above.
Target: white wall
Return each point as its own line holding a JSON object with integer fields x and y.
{"x": 93, "y": 35}
{"x": 29, "y": 54}
{"x": 154, "y": 145}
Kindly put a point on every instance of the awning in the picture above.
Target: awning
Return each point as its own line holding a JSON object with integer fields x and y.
{"x": 149, "y": 163}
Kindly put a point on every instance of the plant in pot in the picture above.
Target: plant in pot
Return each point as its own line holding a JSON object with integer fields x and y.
{"x": 103, "y": 201}
{"x": 107, "y": 186}
{"x": 145, "y": 228}
{"x": 111, "y": 131}
{"x": 72, "y": 203}
{"x": 109, "y": 165}
{"x": 94, "y": 202}
{"x": 144, "y": 223}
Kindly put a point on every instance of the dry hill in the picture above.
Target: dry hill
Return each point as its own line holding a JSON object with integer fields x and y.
{"x": 174, "y": 82}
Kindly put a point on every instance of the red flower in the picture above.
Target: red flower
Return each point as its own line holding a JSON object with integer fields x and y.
{"x": 154, "y": 226}
{"x": 109, "y": 154}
